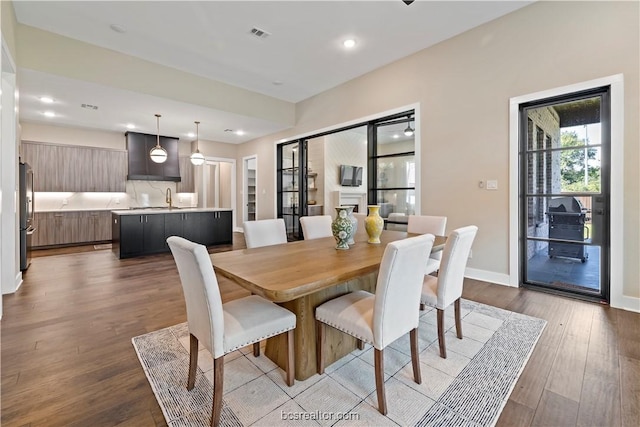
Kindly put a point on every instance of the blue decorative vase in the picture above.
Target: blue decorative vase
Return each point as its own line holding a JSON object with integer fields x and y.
{"x": 342, "y": 227}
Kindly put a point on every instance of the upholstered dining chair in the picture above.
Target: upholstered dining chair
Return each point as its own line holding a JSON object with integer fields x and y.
{"x": 436, "y": 225}
{"x": 440, "y": 292}
{"x": 382, "y": 318}
{"x": 223, "y": 328}
{"x": 264, "y": 232}
{"x": 316, "y": 227}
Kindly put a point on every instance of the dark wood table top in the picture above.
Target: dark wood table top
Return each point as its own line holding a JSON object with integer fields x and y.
{"x": 291, "y": 270}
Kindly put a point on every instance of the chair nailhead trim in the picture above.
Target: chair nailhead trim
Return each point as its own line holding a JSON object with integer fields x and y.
{"x": 258, "y": 340}
{"x": 346, "y": 332}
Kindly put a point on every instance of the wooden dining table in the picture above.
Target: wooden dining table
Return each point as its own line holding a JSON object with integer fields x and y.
{"x": 300, "y": 276}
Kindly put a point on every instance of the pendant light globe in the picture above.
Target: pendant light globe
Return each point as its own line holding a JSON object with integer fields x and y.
{"x": 157, "y": 153}
{"x": 197, "y": 158}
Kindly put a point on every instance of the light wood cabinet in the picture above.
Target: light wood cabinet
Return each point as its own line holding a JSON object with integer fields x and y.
{"x": 94, "y": 226}
{"x": 75, "y": 168}
{"x": 65, "y": 228}
{"x": 187, "y": 182}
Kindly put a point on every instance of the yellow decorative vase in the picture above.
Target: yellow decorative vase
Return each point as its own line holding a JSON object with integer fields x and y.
{"x": 374, "y": 224}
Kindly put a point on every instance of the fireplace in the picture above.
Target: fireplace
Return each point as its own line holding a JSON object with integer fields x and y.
{"x": 357, "y": 199}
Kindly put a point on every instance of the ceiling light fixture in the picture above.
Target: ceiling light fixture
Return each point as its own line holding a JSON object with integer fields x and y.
{"x": 408, "y": 131}
{"x": 49, "y": 114}
{"x": 196, "y": 157}
{"x": 46, "y": 100}
{"x": 157, "y": 153}
{"x": 240, "y": 132}
{"x": 349, "y": 43}
{"x": 131, "y": 126}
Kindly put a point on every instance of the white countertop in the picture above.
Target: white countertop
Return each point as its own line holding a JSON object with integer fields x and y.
{"x": 147, "y": 211}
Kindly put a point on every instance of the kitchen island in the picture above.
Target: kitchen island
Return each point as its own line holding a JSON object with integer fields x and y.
{"x": 137, "y": 232}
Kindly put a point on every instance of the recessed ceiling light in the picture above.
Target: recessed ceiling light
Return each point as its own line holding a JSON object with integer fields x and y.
{"x": 49, "y": 114}
{"x": 240, "y": 132}
{"x": 396, "y": 136}
{"x": 118, "y": 28}
{"x": 191, "y": 134}
{"x": 46, "y": 100}
{"x": 349, "y": 43}
{"x": 131, "y": 126}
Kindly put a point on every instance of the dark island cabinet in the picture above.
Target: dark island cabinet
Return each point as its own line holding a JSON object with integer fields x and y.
{"x": 135, "y": 235}
{"x": 138, "y": 234}
{"x": 223, "y": 232}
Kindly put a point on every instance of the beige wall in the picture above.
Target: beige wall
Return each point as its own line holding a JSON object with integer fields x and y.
{"x": 463, "y": 87}
{"x": 8, "y": 23}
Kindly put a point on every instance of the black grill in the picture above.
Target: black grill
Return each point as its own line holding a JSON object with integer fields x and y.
{"x": 567, "y": 222}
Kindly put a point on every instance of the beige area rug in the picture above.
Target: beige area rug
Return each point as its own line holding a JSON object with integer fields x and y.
{"x": 469, "y": 388}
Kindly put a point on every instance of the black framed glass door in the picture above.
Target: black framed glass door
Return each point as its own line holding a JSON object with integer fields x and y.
{"x": 564, "y": 194}
{"x": 291, "y": 186}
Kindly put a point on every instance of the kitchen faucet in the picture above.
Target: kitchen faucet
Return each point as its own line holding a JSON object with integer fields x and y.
{"x": 168, "y": 198}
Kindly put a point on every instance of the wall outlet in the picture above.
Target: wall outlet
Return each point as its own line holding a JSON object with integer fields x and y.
{"x": 117, "y": 201}
{"x": 492, "y": 184}
{"x": 65, "y": 202}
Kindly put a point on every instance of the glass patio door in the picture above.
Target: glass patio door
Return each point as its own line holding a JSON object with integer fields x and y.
{"x": 564, "y": 194}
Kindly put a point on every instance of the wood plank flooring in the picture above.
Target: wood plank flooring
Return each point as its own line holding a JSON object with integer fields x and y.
{"x": 67, "y": 358}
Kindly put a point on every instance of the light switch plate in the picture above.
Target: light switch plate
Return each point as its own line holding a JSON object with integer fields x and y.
{"x": 492, "y": 184}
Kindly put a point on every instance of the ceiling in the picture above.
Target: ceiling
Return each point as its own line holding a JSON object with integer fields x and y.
{"x": 302, "y": 55}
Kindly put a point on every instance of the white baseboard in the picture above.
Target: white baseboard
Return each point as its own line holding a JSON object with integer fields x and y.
{"x": 239, "y": 230}
{"x": 624, "y": 302}
{"x": 487, "y": 276}
{"x": 18, "y": 281}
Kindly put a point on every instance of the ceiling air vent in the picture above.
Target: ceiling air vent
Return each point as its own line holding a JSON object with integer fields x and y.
{"x": 261, "y": 34}
{"x": 89, "y": 106}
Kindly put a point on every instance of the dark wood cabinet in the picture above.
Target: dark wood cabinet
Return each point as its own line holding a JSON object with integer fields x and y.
{"x": 153, "y": 226}
{"x": 128, "y": 235}
{"x": 144, "y": 234}
{"x": 222, "y": 229}
{"x": 141, "y": 166}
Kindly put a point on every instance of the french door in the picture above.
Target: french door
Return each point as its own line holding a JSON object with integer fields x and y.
{"x": 564, "y": 194}
{"x": 292, "y": 186}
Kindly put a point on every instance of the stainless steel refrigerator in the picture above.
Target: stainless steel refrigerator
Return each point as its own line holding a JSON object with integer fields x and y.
{"x": 27, "y": 226}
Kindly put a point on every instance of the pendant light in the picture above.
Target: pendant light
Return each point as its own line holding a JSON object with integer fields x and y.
{"x": 157, "y": 153}
{"x": 196, "y": 157}
{"x": 408, "y": 131}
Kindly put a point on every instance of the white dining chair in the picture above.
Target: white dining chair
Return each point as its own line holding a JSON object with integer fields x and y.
{"x": 435, "y": 225}
{"x": 440, "y": 292}
{"x": 316, "y": 227}
{"x": 223, "y": 328}
{"x": 382, "y": 318}
{"x": 264, "y": 232}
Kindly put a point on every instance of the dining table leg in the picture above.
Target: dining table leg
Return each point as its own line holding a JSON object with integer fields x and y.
{"x": 337, "y": 344}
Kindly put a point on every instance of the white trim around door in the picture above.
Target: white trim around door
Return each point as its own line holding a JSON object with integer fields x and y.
{"x": 617, "y": 298}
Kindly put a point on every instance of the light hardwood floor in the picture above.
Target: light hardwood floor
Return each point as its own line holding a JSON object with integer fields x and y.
{"x": 67, "y": 358}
